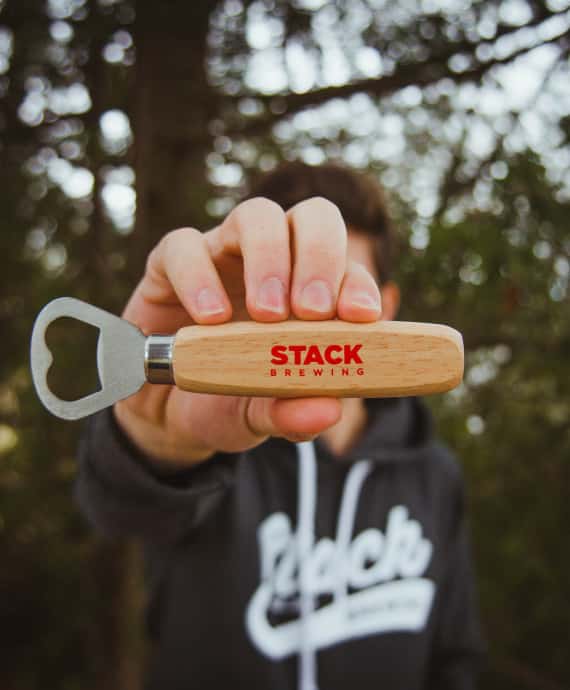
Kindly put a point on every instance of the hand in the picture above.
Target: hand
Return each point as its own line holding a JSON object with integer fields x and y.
{"x": 262, "y": 264}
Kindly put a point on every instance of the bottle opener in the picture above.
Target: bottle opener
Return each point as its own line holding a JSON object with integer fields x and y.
{"x": 286, "y": 359}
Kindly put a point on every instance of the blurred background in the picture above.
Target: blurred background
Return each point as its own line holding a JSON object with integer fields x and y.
{"x": 121, "y": 120}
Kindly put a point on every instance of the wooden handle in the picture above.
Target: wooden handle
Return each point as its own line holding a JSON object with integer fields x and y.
{"x": 318, "y": 358}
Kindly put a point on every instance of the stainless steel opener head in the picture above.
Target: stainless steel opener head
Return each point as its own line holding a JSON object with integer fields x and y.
{"x": 120, "y": 358}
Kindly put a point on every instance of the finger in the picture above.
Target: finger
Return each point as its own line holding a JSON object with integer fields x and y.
{"x": 257, "y": 230}
{"x": 296, "y": 419}
{"x": 180, "y": 272}
{"x": 359, "y": 299}
{"x": 319, "y": 241}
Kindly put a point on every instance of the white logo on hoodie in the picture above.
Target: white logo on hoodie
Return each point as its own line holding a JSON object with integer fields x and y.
{"x": 373, "y": 583}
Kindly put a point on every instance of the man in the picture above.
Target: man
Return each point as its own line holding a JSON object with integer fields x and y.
{"x": 291, "y": 543}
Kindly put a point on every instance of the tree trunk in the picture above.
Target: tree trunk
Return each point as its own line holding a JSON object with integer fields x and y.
{"x": 173, "y": 107}
{"x": 114, "y": 637}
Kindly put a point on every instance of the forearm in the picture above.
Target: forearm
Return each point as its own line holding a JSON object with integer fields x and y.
{"x": 155, "y": 446}
{"x": 121, "y": 493}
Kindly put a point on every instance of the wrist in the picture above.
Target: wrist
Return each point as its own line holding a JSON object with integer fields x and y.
{"x": 160, "y": 454}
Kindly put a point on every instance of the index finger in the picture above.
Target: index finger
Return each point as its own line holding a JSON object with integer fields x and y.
{"x": 180, "y": 285}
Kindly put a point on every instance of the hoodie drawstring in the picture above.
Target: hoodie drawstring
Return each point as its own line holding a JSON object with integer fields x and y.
{"x": 306, "y": 511}
{"x": 307, "y": 494}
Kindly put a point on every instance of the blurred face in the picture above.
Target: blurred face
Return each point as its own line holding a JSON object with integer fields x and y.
{"x": 361, "y": 249}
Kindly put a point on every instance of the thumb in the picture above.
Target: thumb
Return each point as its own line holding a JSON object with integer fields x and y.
{"x": 296, "y": 419}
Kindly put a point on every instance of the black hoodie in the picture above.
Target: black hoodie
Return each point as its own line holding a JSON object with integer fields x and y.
{"x": 289, "y": 567}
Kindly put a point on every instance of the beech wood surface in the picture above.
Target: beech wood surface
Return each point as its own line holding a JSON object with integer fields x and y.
{"x": 398, "y": 358}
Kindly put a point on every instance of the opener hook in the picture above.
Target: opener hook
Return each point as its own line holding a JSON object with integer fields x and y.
{"x": 120, "y": 358}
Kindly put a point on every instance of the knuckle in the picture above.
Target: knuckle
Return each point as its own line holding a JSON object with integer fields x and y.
{"x": 256, "y": 208}
{"x": 321, "y": 206}
{"x": 184, "y": 235}
{"x": 175, "y": 240}
{"x": 319, "y": 218}
{"x": 170, "y": 245}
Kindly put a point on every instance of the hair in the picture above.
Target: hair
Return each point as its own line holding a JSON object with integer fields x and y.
{"x": 358, "y": 196}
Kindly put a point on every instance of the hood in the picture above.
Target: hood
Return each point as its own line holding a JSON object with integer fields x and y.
{"x": 396, "y": 429}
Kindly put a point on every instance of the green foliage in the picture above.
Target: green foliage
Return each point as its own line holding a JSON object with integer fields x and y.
{"x": 495, "y": 276}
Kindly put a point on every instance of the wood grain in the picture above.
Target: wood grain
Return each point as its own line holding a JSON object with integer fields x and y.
{"x": 398, "y": 358}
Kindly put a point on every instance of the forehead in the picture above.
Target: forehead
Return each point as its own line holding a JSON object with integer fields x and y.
{"x": 361, "y": 247}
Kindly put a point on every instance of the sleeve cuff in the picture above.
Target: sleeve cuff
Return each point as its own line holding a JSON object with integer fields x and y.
{"x": 120, "y": 463}
{"x": 122, "y": 497}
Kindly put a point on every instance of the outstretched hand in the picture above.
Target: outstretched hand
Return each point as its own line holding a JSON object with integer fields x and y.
{"x": 260, "y": 263}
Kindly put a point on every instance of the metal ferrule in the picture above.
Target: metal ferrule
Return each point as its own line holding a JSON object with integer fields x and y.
{"x": 158, "y": 359}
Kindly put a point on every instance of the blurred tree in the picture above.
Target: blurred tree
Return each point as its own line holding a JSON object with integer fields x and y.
{"x": 462, "y": 110}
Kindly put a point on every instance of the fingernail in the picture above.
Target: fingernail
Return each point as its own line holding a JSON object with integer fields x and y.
{"x": 365, "y": 300}
{"x": 271, "y": 296}
{"x": 317, "y": 296}
{"x": 209, "y": 302}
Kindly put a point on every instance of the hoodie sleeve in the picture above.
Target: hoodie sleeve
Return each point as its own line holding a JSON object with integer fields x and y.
{"x": 459, "y": 648}
{"x": 121, "y": 494}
